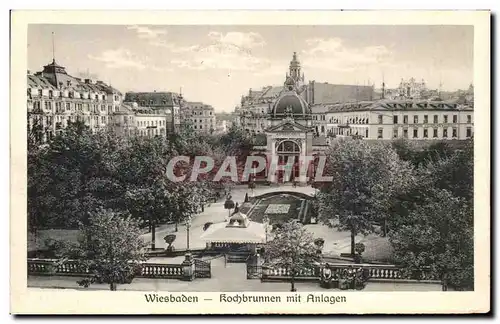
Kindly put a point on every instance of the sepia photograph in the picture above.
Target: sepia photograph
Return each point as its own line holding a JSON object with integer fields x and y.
{"x": 306, "y": 164}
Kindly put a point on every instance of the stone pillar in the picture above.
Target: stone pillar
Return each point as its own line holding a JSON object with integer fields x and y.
{"x": 188, "y": 268}
{"x": 302, "y": 159}
{"x": 271, "y": 174}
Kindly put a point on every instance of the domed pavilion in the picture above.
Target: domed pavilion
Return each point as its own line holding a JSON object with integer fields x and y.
{"x": 237, "y": 234}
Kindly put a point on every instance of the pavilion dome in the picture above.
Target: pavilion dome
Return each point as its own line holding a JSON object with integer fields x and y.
{"x": 290, "y": 101}
{"x": 238, "y": 219}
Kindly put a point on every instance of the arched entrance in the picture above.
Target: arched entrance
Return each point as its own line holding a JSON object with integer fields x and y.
{"x": 288, "y": 151}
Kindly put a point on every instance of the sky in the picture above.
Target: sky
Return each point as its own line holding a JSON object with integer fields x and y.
{"x": 217, "y": 64}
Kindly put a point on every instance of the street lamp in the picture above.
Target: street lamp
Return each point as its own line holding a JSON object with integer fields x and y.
{"x": 266, "y": 225}
{"x": 229, "y": 204}
{"x": 188, "y": 226}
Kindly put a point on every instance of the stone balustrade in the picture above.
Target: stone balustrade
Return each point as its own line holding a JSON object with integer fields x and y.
{"x": 71, "y": 268}
{"x": 370, "y": 271}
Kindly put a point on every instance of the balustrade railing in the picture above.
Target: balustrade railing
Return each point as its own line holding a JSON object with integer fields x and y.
{"x": 72, "y": 268}
{"x": 370, "y": 271}
{"x": 167, "y": 271}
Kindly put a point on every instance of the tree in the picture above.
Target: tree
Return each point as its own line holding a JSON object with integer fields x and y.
{"x": 110, "y": 247}
{"x": 365, "y": 179}
{"x": 438, "y": 233}
{"x": 420, "y": 154}
{"x": 71, "y": 176}
{"x": 292, "y": 248}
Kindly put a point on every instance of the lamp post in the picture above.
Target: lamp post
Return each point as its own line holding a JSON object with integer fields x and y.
{"x": 229, "y": 204}
{"x": 188, "y": 226}
{"x": 266, "y": 225}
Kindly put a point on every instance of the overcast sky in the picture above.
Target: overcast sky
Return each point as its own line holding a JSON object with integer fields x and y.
{"x": 217, "y": 64}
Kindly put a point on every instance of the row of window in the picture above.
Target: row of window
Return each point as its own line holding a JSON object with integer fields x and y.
{"x": 60, "y": 107}
{"x": 201, "y": 113}
{"x": 146, "y": 123}
{"x": 206, "y": 121}
{"x": 151, "y": 131}
{"x": 62, "y": 121}
{"x": 434, "y": 131}
{"x": 426, "y": 119}
{"x": 73, "y": 94}
{"x": 348, "y": 132}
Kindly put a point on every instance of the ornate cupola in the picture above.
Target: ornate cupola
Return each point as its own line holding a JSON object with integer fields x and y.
{"x": 295, "y": 68}
{"x": 238, "y": 219}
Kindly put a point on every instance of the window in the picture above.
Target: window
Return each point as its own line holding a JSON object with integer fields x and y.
{"x": 380, "y": 119}
{"x": 445, "y": 119}
{"x": 426, "y": 119}
{"x": 366, "y": 133}
{"x": 454, "y": 132}
{"x": 322, "y": 129}
{"x": 395, "y": 133}
{"x": 201, "y": 126}
{"x": 395, "y": 119}
{"x": 50, "y": 94}
{"x": 468, "y": 132}
{"x": 40, "y": 92}
{"x": 435, "y": 133}
{"x": 445, "y": 132}
{"x": 405, "y": 133}
{"x": 103, "y": 119}
{"x": 405, "y": 119}
{"x": 469, "y": 119}
{"x": 415, "y": 119}
{"x": 425, "y": 132}
{"x": 68, "y": 106}
{"x": 415, "y": 133}
{"x": 435, "y": 119}
{"x": 455, "y": 119}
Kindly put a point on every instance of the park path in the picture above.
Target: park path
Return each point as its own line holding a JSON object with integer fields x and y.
{"x": 214, "y": 213}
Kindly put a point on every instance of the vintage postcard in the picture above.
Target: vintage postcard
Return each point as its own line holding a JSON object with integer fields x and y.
{"x": 273, "y": 162}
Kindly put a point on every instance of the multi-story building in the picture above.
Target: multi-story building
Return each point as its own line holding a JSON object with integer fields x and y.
{"x": 389, "y": 119}
{"x": 132, "y": 119}
{"x": 201, "y": 116}
{"x": 55, "y": 98}
{"x": 158, "y": 103}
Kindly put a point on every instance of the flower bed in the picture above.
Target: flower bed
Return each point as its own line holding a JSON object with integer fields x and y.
{"x": 277, "y": 209}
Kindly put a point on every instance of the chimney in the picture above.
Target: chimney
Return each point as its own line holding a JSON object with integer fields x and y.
{"x": 29, "y": 72}
{"x": 88, "y": 81}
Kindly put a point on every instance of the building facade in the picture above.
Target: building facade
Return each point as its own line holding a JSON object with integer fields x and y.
{"x": 390, "y": 119}
{"x": 133, "y": 120}
{"x": 55, "y": 99}
{"x": 200, "y": 116}
{"x": 160, "y": 104}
